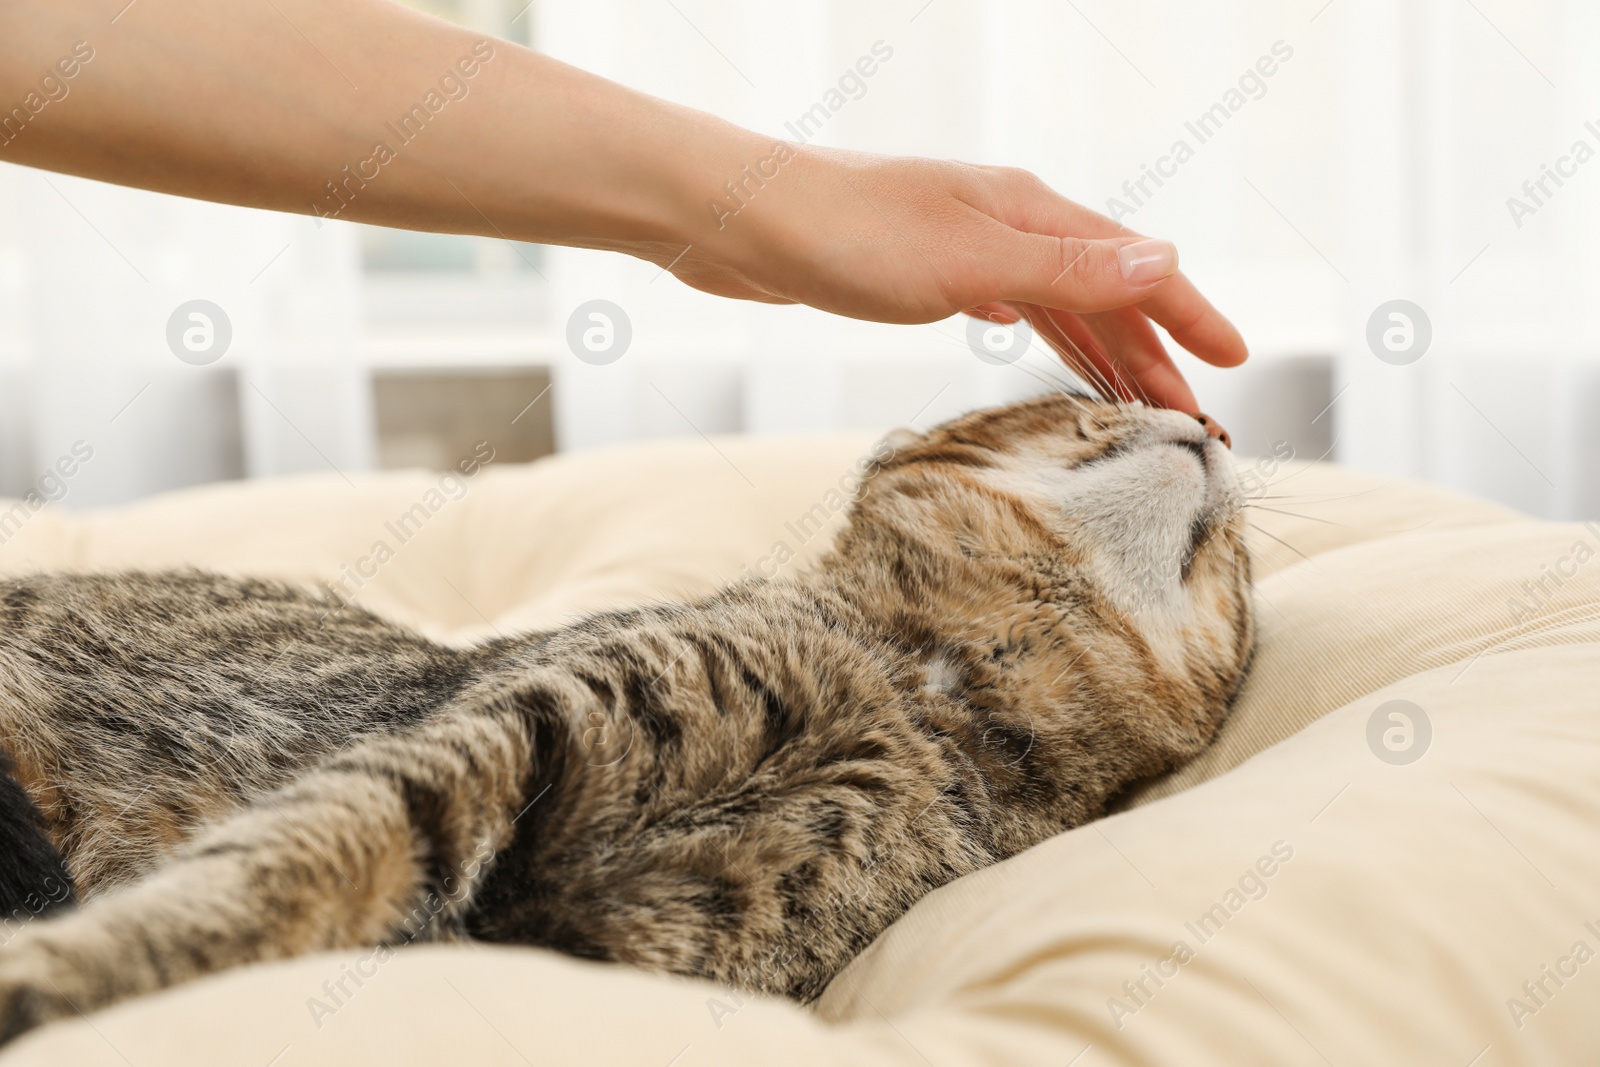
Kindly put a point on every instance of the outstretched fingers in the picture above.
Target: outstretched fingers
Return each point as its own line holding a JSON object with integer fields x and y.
{"x": 1064, "y": 258}
{"x": 1144, "y": 360}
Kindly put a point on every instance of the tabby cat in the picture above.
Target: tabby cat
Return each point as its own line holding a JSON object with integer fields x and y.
{"x": 1029, "y": 608}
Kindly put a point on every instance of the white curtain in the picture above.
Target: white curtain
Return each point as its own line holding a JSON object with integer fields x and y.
{"x": 1365, "y": 153}
{"x": 1337, "y": 157}
{"x": 94, "y": 274}
{"x": 1447, "y": 111}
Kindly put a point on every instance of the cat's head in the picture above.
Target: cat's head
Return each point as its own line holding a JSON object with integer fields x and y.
{"x": 1132, "y": 512}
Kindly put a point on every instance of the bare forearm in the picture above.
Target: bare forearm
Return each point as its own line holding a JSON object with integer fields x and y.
{"x": 362, "y": 110}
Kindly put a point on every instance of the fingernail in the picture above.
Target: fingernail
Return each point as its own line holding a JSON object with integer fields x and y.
{"x": 1147, "y": 262}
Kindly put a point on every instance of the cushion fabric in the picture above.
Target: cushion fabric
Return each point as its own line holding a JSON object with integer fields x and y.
{"x": 1389, "y": 856}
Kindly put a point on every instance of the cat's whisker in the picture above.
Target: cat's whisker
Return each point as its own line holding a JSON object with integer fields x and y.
{"x": 1306, "y": 498}
{"x": 1044, "y": 379}
{"x": 1104, "y": 385}
{"x": 1065, "y": 389}
{"x": 1118, "y": 386}
{"x": 1083, "y": 373}
{"x": 1068, "y": 387}
{"x": 1295, "y": 474}
{"x": 1059, "y": 362}
{"x": 1074, "y": 356}
{"x": 1293, "y": 514}
{"x": 1065, "y": 381}
{"x": 1130, "y": 386}
{"x": 1281, "y": 541}
{"x": 1268, "y": 602}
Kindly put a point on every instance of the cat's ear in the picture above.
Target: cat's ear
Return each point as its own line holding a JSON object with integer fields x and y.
{"x": 897, "y": 440}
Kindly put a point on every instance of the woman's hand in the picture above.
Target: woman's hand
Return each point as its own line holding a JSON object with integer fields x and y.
{"x": 916, "y": 240}
{"x": 231, "y": 103}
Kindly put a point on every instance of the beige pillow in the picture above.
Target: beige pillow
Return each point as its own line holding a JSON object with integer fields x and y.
{"x": 1357, "y": 619}
{"x": 1319, "y": 904}
{"x": 511, "y": 547}
{"x": 1405, "y": 905}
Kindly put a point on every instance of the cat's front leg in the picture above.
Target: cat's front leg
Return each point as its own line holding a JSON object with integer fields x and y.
{"x": 384, "y": 843}
{"x": 28, "y": 993}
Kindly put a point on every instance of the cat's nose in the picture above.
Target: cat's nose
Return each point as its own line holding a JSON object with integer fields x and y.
{"x": 1214, "y": 429}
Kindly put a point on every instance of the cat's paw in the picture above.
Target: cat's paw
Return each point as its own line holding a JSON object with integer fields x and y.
{"x": 27, "y": 1000}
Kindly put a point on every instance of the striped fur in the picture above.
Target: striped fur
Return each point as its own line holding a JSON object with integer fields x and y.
{"x": 1029, "y": 609}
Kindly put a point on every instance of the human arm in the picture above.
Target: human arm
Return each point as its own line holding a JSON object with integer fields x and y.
{"x": 284, "y": 104}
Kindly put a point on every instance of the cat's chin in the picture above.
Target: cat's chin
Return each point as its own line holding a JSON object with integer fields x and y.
{"x": 1211, "y": 501}
{"x": 1224, "y": 496}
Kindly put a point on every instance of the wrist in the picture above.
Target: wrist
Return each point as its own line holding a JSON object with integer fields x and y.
{"x": 689, "y": 174}
{"x": 751, "y": 201}
{"x": 623, "y": 170}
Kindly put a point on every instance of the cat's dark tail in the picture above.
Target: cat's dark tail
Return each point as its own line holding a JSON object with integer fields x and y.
{"x": 33, "y": 877}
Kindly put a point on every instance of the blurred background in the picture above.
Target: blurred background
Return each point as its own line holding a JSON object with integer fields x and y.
{"x": 1396, "y": 201}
